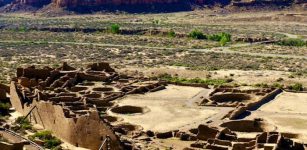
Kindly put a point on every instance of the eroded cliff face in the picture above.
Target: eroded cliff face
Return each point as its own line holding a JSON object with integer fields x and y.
{"x": 33, "y": 2}
{"x": 75, "y": 3}
{"x": 98, "y": 5}
{"x": 140, "y": 5}
{"x": 5, "y": 2}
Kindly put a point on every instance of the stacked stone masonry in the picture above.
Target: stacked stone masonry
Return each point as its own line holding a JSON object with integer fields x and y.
{"x": 70, "y": 102}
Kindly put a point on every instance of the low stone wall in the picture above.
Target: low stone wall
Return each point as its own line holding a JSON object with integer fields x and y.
{"x": 248, "y": 126}
{"x": 292, "y": 91}
{"x": 225, "y": 97}
{"x": 225, "y": 138}
{"x": 253, "y": 105}
{"x": 190, "y": 84}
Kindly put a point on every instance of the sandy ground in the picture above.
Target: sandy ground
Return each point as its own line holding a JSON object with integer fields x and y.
{"x": 169, "y": 109}
{"x": 239, "y": 76}
{"x": 287, "y": 102}
{"x": 171, "y": 143}
{"x": 288, "y": 112}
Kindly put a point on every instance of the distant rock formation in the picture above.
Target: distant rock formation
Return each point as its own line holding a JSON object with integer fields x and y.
{"x": 73, "y": 3}
{"x": 38, "y": 3}
{"x": 140, "y": 5}
{"x": 5, "y": 2}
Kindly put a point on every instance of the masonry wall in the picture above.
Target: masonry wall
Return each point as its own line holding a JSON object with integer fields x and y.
{"x": 86, "y": 131}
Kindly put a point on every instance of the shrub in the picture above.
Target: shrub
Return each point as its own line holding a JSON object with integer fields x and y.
{"x": 24, "y": 123}
{"x": 22, "y": 29}
{"x": 114, "y": 28}
{"x": 156, "y": 22}
{"x": 196, "y": 34}
{"x": 46, "y": 136}
{"x": 4, "y": 108}
{"x": 171, "y": 34}
{"x": 296, "y": 87}
{"x": 53, "y": 143}
{"x": 214, "y": 37}
{"x": 223, "y": 38}
{"x": 42, "y": 135}
{"x": 223, "y": 41}
{"x": 292, "y": 42}
{"x": 169, "y": 78}
{"x": 277, "y": 85}
{"x": 262, "y": 85}
{"x": 279, "y": 79}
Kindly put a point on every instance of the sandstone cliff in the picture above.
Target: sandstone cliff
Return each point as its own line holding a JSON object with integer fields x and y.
{"x": 34, "y": 2}
{"x": 5, "y": 2}
{"x": 141, "y": 5}
{"x": 72, "y": 3}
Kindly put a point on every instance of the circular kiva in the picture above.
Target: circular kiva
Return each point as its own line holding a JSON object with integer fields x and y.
{"x": 127, "y": 109}
{"x": 231, "y": 97}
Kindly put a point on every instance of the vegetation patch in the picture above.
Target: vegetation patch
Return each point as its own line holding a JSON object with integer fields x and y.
{"x": 172, "y": 79}
{"x": 223, "y": 38}
{"x": 24, "y": 123}
{"x": 114, "y": 28}
{"x": 50, "y": 142}
{"x": 292, "y": 42}
{"x": 4, "y": 108}
{"x": 296, "y": 87}
{"x": 196, "y": 34}
{"x": 171, "y": 34}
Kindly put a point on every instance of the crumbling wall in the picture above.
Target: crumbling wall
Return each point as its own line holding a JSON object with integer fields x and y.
{"x": 240, "y": 109}
{"x": 15, "y": 99}
{"x": 3, "y": 90}
{"x": 230, "y": 97}
{"x": 248, "y": 126}
{"x": 226, "y": 138}
{"x": 61, "y": 101}
{"x": 5, "y": 87}
{"x": 85, "y": 131}
{"x": 206, "y": 132}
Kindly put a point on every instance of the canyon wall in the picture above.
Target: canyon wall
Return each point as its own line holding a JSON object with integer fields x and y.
{"x": 140, "y": 5}
{"x": 38, "y": 3}
{"x": 73, "y": 3}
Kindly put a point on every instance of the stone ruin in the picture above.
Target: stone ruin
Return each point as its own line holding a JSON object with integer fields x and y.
{"x": 73, "y": 104}
{"x": 3, "y": 91}
{"x": 242, "y": 100}
{"x": 224, "y": 134}
{"x": 231, "y": 97}
{"x": 7, "y": 144}
{"x": 70, "y": 101}
{"x": 223, "y": 138}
